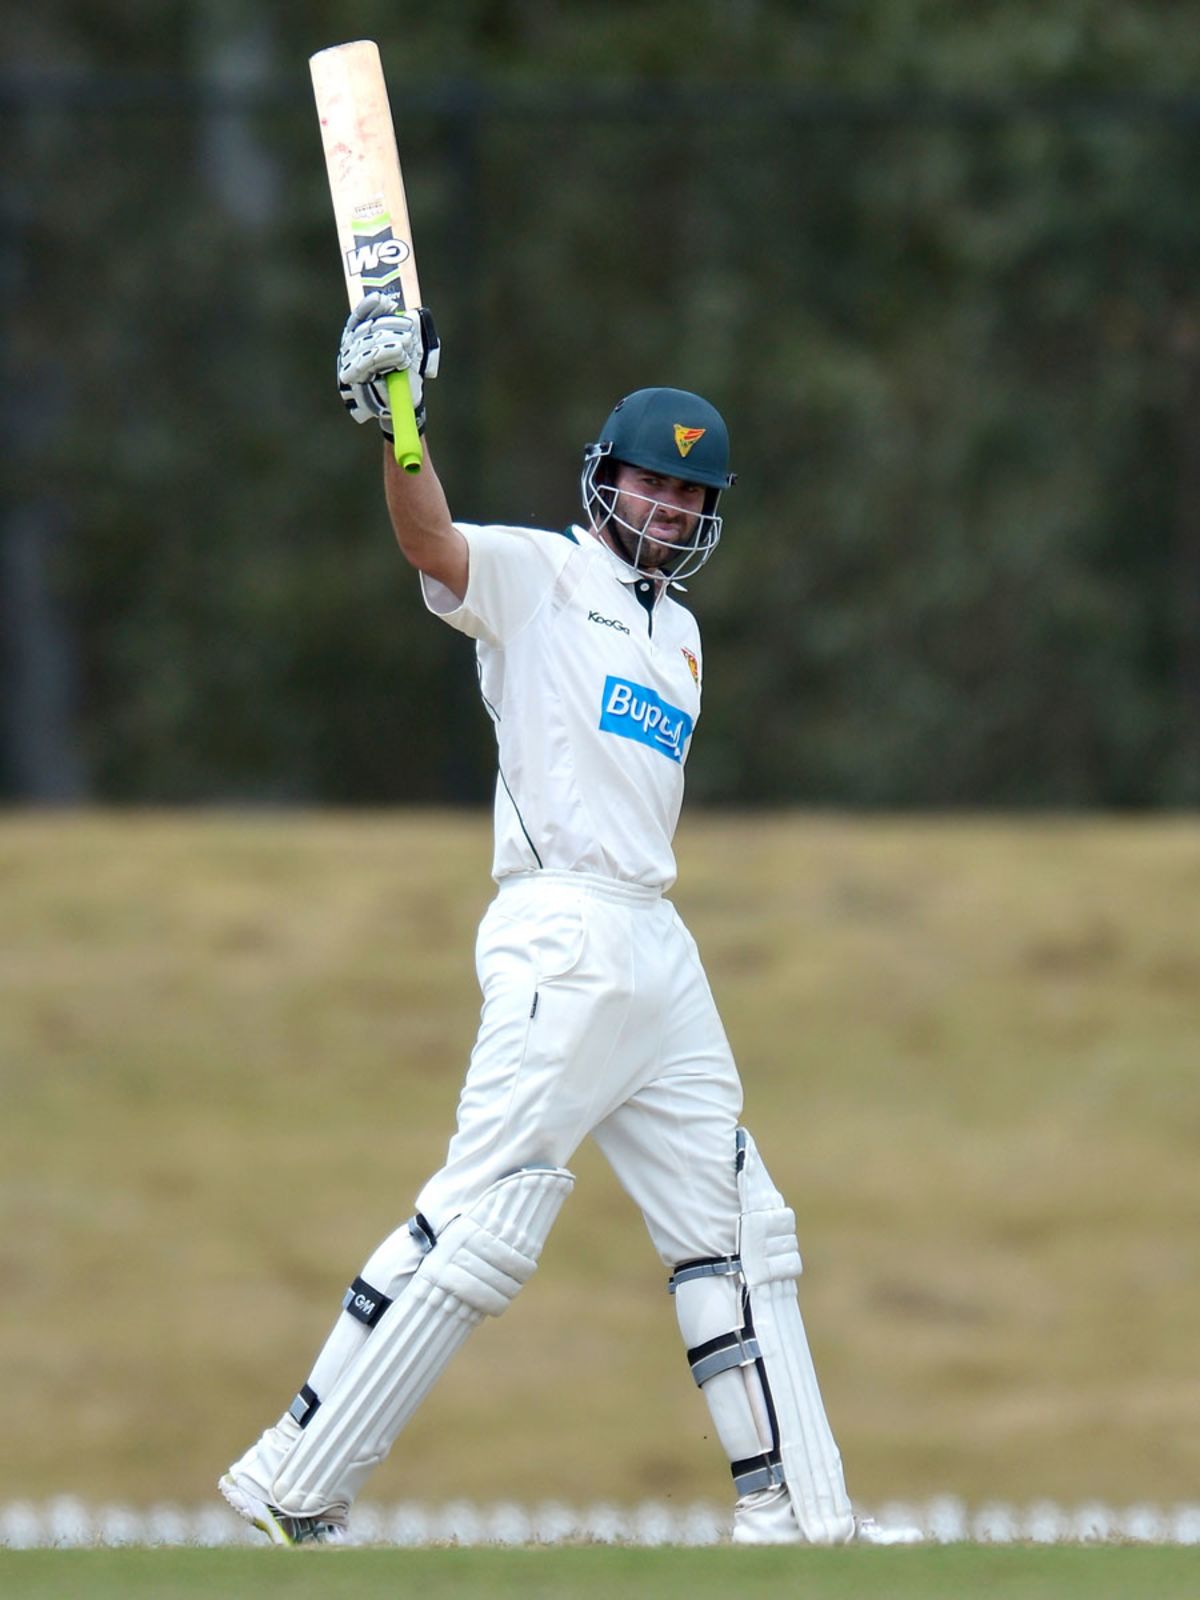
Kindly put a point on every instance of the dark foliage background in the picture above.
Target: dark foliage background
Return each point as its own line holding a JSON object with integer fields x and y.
{"x": 937, "y": 264}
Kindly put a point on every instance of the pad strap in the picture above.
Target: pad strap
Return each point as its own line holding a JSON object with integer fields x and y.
{"x": 757, "y": 1472}
{"x": 704, "y": 1267}
{"x": 736, "y": 1349}
{"x": 303, "y": 1407}
{"x": 422, "y": 1232}
{"x": 365, "y": 1303}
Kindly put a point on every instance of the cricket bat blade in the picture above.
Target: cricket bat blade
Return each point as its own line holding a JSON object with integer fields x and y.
{"x": 370, "y": 208}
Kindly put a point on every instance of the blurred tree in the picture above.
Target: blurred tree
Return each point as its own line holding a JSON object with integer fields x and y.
{"x": 936, "y": 265}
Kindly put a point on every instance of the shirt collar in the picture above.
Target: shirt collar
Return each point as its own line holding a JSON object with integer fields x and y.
{"x": 621, "y": 569}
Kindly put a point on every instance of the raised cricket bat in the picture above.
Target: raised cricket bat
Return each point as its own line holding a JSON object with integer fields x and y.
{"x": 368, "y": 200}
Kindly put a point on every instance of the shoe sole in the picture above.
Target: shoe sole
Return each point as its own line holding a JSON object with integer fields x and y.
{"x": 254, "y": 1511}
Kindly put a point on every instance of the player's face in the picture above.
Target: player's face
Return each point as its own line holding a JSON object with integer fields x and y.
{"x": 662, "y": 508}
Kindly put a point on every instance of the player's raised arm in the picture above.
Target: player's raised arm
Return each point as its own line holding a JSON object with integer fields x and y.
{"x": 379, "y": 339}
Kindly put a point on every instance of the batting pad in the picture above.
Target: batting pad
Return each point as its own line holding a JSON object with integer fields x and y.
{"x": 479, "y": 1262}
{"x": 770, "y": 1258}
{"x": 724, "y": 1357}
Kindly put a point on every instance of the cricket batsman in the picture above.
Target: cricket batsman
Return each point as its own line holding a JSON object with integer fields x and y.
{"x": 597, "y": 1017}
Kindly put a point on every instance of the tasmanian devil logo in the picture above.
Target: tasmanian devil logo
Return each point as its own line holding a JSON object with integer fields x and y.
{"x": 376, "y": 257}
{"x": 685, "y": 438}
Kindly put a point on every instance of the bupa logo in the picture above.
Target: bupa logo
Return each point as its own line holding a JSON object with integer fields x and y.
{"x": 635, "y": 712}
{"x": 376, "y": 257}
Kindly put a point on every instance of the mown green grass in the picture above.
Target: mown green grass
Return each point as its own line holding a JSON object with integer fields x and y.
{"x": 230, "y": 1049}
{"x": 599, "y": 1574}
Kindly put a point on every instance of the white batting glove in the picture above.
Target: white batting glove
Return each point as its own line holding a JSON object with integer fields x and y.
{"x": 380, "y": 338}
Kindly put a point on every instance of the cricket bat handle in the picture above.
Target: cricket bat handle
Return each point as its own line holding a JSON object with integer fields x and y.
{"x": 404, "y": 422}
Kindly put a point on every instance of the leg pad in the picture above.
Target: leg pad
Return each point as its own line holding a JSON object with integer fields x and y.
{"x": 747, "y": 1348}
{"x": 481, "y": 1259}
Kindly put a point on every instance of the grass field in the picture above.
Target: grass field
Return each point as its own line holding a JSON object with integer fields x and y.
{"x": 955, "y": 1572}
{"x": 229, "y": 1053}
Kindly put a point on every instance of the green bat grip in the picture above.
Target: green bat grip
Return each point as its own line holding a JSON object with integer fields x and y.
{"x": 404, "y": 424}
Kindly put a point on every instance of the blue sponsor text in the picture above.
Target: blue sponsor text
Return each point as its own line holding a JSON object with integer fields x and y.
{"x": 635, "y": 712}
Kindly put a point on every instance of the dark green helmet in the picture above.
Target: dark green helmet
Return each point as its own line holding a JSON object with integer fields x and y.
{"x": 667, "y": 431}
{"x": 672, "y": 432}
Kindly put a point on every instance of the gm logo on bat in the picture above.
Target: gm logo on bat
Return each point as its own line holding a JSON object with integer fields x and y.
{"x": 370, "y": 258}
{"x": 635, "y": 712}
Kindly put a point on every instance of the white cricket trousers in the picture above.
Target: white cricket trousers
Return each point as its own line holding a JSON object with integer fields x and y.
{"x": 597, "y": 1018}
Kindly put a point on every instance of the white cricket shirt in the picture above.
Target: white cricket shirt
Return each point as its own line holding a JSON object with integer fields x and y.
{"x": 591, "y": 676}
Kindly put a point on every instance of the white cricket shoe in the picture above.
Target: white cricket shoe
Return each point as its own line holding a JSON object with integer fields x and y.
{"x": 766, "y": 1517}
{"x": 247, "y": 1488}
{"x": 868, "y": 1531}
{"x": 329, "y": 1527}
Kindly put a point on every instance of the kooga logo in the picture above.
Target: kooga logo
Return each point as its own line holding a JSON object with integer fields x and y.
{"x": 635, "y": 712}
{"x": 608, "y": 622}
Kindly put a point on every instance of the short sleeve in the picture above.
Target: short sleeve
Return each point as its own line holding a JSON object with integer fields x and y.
{"x": 510, "y": 574}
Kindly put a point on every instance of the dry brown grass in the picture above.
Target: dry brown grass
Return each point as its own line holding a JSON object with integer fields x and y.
{"x": 229, "y": 1053}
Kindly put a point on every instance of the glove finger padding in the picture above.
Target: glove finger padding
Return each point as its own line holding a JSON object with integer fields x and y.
{"x": 379, "y": 338}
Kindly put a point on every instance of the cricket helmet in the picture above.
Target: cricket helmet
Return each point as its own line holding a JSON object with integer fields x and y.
{"x": 667, "y": 431}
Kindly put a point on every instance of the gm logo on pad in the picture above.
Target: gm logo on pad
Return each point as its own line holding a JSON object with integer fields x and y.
{"x": 635, "y": 712}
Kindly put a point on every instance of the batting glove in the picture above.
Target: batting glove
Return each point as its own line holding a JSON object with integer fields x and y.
{"x": 380, "y": 338}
